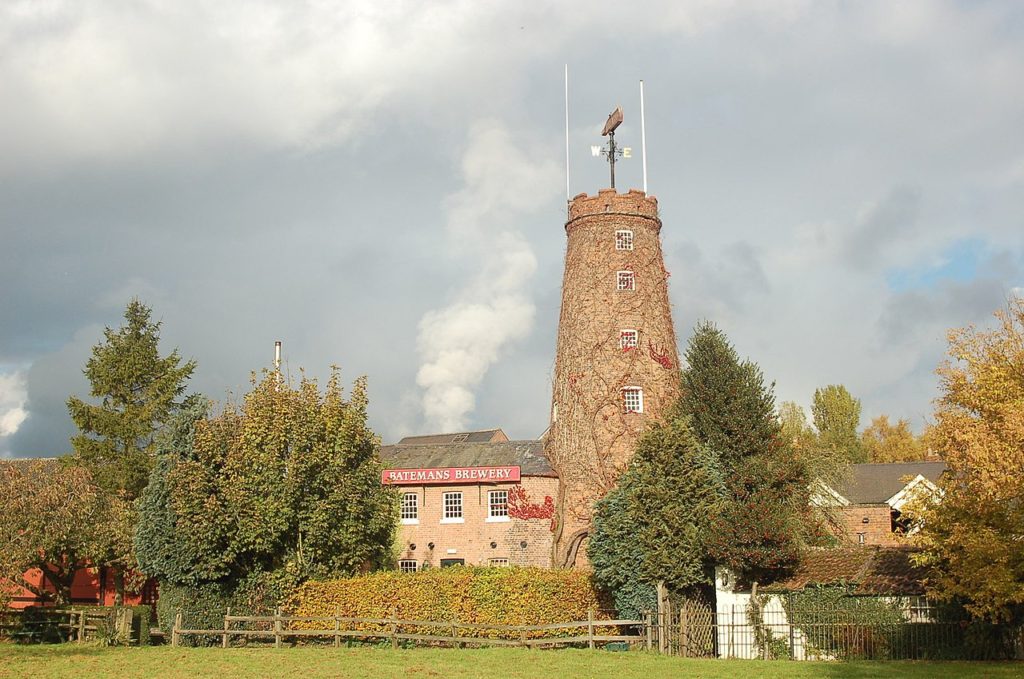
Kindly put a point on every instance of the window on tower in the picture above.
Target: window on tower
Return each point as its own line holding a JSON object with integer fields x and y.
{"x": 624, "y": 240}
{"x": 633, "y": 400}
{"x": 625, "y": 281}
{"x": 627, "y": 339}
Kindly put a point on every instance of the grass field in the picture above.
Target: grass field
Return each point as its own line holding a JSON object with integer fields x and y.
{"x": 69, "y": 660}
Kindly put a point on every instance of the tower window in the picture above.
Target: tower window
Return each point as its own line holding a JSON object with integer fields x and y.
{"x": 624, "y": 240}
{"x": 627, "y": 339}
{"x": 452, "y": 508}
{"x": 633, "y": 400}
{"x": 624, "y": 281}
{"x": 410, "y": 508}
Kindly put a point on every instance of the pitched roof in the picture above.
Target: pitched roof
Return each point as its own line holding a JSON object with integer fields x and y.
{"x": 482, "y": 436}
{"x": 876, "y": 483}
{"x": 527, "y": 455}
{"x": 870, "y": 571}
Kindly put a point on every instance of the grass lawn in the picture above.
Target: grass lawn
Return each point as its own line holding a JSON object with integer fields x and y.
{"x": 69, "y": 660}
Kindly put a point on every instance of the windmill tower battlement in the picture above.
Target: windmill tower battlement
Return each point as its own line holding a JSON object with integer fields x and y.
{"x": 616, "y": 363}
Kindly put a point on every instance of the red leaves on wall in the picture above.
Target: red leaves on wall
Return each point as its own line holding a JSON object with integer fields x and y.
{"x": 520, "y": 507}
{"x": 660, "y": 357}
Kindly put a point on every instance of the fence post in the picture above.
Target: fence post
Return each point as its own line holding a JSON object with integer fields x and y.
{"x": 224, "y": 638}
{"x": 684, "y": 630}
{"x": 590, "y": 629}
{"x": 277, "y": 628}
{"x": 394, "y": 633}
{"x": 522, "y": 638}
{"x": 126, "y": 624}
{"x": 337, "y": 627}
{"x": 81, "y": 627}
{"x": 647, "y": 629}
{"x": 175, "y": 630}
{"x": 663, "y": 620}
{"x": 455, "y": 634}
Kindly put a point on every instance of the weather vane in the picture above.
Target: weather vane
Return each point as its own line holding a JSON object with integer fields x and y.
{"x": 612, "y": 152}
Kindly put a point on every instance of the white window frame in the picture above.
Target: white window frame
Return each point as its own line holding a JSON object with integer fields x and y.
{"x": 410, "y": 511}
{"x": 498, "y": 562}
{"x": 495, "y": 509}
{"x": 626, "y": 392}
{"x": 447, "y": 509}
{"x": 624, "y": 239}
{"x": 625, "y": 281}
{"x": 629, "y": 338}
{"x": 408, "y": 565}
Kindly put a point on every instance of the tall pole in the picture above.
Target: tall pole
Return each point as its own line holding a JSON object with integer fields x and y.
{"x": 567, "y": 196}
{"x": 643, "y": 135}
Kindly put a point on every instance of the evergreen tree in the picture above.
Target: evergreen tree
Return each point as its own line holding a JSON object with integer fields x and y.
{"x": 762, "y": 526}
{"x": 837, "y": 417}
{"x": 139, "y": 392}
{"x": 652, "y": 527}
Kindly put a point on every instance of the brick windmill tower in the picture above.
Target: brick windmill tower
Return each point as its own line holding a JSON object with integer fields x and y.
{"x": 616, "y": 364}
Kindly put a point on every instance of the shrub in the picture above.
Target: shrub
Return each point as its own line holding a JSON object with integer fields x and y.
{"x": 484, "y": 596}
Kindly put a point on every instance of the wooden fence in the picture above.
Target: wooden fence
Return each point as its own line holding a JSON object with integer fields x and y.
{"x": 280, "y": 627}
{"x": 69, "y": 624}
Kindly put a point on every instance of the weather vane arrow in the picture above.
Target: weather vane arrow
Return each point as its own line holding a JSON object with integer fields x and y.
{"x": 612, "y": 152}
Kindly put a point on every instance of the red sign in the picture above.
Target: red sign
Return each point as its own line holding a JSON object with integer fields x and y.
{"x": 449, "y": 475}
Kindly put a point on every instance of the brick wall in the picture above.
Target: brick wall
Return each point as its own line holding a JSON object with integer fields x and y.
{"x": 877, "y": 530}
{"x": 592, "y": 439}
{"x": 471, "y": 539}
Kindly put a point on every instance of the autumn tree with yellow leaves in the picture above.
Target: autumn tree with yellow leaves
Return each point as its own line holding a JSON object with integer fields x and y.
{"x": 973, "y": 536}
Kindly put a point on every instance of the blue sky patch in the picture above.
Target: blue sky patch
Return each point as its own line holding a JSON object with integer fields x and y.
{"x": 959, "y": 262}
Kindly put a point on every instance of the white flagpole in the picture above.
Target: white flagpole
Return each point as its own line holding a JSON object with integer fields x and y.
{"x": 643, "y": 135}
{"x": 567, "y": 196}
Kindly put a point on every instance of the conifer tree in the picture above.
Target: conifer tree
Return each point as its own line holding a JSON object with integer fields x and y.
{"x": 653, "y": 526}
{"x": 761, "y": 528}
{"x": 138, "y": 391}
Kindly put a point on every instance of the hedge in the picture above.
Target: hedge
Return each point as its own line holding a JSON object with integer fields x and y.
{"x": 484, "y": 596}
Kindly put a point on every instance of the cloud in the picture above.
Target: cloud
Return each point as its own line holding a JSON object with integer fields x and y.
{"x": 13, "y": 396}
{"x": 460, "y": 342}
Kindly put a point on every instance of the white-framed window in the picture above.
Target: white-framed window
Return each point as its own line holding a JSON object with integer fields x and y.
{"x": 624, "y": 280}
{"x": 460, "y": 438}
{"x": 624, "y": 240}
{"x": 633, "y": 400}
{"x": 497, "y": 563}
{"x": 408, "y": 565}
{"x": 451, "y": 508}
{"x": 628, "y": 339}
{"x": 497, "y": 505}
{"x": 410, "y": 508}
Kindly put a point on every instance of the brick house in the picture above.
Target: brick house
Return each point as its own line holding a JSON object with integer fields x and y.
{"x": 871, "y": 498}
{"x": 472, "y": 498}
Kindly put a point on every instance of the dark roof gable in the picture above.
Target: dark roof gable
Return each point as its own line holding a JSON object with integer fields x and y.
{"x": 482, "y": 436}
{"x": 875, "y": 483}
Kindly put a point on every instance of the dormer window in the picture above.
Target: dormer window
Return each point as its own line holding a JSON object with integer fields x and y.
{"x": 624, "y": 240}
{"x": 628, "y": 339}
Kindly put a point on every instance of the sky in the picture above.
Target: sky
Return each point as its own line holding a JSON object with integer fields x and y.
{"x": 381, "y": 185}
